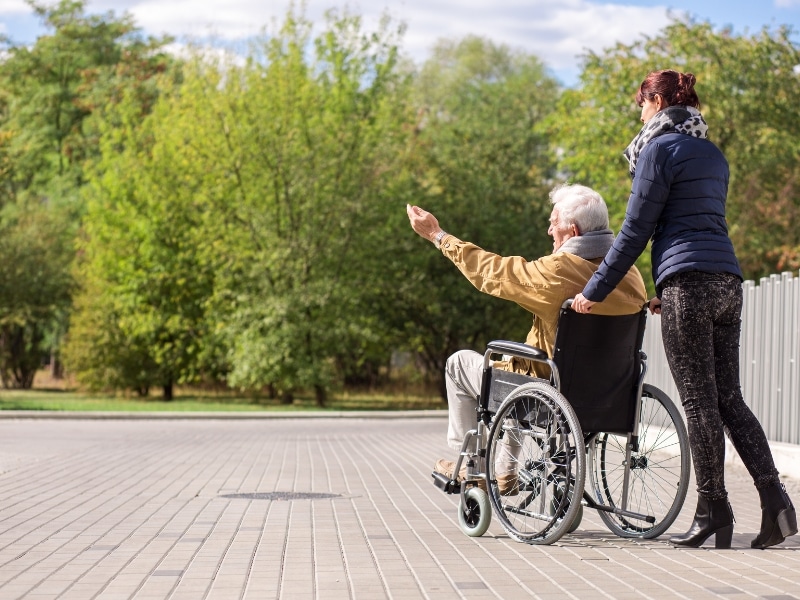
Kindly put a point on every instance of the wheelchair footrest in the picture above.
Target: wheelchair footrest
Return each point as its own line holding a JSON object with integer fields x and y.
{"x": 447, "y": 485}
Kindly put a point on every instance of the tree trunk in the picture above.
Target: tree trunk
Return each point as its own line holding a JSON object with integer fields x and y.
{"x": 56, "y": 368}
{"x": 19, "y": 356}
{"x": 321, "y": 395}
{"x": 168, "y": 392}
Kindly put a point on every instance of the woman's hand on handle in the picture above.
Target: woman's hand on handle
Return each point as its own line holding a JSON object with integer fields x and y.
{"x": 655, "y": 306}
{"x": 582, "y": 305}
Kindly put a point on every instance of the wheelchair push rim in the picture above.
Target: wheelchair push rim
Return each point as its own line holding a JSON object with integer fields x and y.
{"x": 549, "y": 454}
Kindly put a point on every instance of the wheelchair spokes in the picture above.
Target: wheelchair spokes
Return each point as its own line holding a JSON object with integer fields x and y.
{"x": 536, "y": 462}
{"x": 531, "y": 467}
{"x": 548, "y": 463}
{"x": 657, "y": 472}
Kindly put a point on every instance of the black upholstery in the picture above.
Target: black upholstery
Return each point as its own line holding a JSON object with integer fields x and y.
{"x": 503, "y": 383}
{"x": 599, "y": 363}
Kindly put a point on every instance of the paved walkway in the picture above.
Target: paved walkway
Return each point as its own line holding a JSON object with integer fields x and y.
{"x": 313, "y": 508}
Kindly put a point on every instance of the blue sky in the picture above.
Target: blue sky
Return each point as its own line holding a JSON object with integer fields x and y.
{"x": 557, "y": 32}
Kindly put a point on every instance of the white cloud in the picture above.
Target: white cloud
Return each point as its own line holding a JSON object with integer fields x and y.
{"x": 228, "y": 19}
{"x": 556, "y": 32}
{"x": 14, "y": 7}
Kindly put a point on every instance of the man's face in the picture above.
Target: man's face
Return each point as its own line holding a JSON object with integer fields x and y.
{"x": 559, "y": 231}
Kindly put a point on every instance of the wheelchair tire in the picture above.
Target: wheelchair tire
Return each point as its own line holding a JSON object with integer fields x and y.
{"x": 474, "y": 518}
{"x": 658, "y": 473}
{"x": 551, "y": 466}
{"x": 576, "y": 522}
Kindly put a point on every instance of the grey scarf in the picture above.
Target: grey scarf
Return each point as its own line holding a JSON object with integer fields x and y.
{"x": 683, "y": 119}
{"x": 589, "y": 245}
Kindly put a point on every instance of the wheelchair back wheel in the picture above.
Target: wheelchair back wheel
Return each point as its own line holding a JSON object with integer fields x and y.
{"x": 651, "y": 480}
{"x": 536, "y": 464}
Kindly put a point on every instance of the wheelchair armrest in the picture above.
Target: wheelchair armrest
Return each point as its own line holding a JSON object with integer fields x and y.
{"x": 518, "y": 349}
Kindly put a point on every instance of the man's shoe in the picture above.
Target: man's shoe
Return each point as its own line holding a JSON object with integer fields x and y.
{"x": 507, "y": 465}
{"x": 508, "y": 484}
{"x": 446, "y": 468}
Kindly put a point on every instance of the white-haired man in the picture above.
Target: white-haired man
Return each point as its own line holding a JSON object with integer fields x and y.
{"x": 581, "y": 237}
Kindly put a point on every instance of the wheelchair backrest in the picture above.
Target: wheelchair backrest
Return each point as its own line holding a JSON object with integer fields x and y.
{"x": 599, "y": 362}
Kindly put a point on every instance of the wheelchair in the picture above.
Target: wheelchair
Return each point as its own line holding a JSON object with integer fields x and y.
{"x": 618, "y": 445}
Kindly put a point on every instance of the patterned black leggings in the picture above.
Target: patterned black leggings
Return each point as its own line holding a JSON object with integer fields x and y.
{"x": 700, "y": 326}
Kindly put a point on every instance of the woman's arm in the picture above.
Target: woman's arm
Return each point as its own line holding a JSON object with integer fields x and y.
{"x": 649, "y": 194}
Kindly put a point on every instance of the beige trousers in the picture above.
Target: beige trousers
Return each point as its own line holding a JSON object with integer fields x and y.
{"x": 463, "y": 374}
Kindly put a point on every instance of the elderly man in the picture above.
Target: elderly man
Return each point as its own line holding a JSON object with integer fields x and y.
{"x": 581, "y": 237}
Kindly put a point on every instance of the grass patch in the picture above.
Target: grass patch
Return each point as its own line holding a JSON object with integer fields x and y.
{"x": 198, "y": 401}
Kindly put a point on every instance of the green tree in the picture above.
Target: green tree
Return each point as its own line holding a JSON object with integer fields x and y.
{"x": 226, "y": 230}
{"x": 52, "y": 94}
{"x": 140, "y": 318}
{"x": 478, "y": 160}
{"x": 312, "y": 142}
{"x": 54, "y": 87}
{"x": 35, "y": 286}
{"x": 746, "y": 85}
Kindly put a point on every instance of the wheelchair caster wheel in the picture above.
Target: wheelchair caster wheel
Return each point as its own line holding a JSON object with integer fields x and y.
{"x": 474, "y": 518}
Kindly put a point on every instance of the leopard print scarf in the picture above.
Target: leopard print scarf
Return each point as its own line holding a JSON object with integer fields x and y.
{"x": 683, "y": 119}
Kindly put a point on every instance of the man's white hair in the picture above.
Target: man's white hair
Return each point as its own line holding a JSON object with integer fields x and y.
{"x": 580, "y": 206}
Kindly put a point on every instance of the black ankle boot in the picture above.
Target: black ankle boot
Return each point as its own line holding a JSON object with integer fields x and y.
{"x": 778, "y": 519}
{"x": 713, "y": 517}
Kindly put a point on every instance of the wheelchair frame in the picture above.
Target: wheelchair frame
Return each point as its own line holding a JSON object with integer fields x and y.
{"x": 554, "y": 452}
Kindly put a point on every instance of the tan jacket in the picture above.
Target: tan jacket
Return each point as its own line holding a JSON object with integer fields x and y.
{"x": 540, "y": 287}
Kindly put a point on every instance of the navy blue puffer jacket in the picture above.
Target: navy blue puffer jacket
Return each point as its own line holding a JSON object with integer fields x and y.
{"x": 678, "y": 200}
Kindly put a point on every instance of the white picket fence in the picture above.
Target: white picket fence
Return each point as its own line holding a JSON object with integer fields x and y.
{"x": 769, "y": 355}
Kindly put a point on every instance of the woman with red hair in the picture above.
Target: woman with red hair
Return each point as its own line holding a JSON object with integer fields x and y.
{"x": 680, "y": 185}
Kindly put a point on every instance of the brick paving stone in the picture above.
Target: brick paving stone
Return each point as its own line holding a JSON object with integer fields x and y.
{"x": 312, "y": 507}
